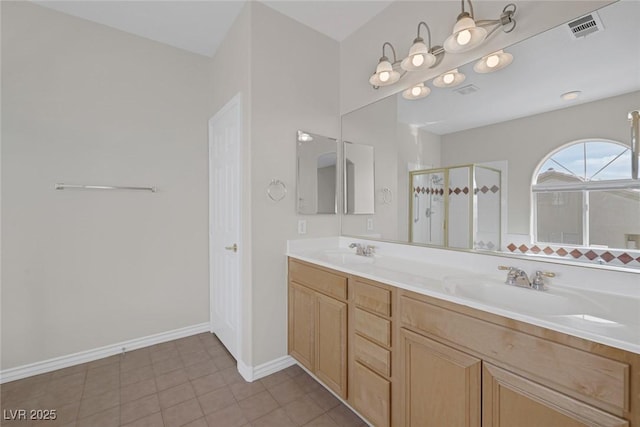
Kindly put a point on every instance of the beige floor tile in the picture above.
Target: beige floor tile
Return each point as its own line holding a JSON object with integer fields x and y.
{"x": 231, "y": 416}
{"x": 307, "y": 383}
{"x": 182, "y": 413}
{"x": 302, "y": 410}
{"x": 60, "y": 397}
{"x": 101, "y": 384}
{"x": 258, "y": 405}
{"x": 231, "y": 375}
{"x": 286, "y": 392}
{"x": 200, "y": 422}
{"x": 154, "y": 420}
{"x": 201, "y": 369}
{"x": 68, "y": 371}
{"x": 198, "y": 356}
{"x": 208, "y": 383}
{"x": 167, "y": 365}
{"x": 175, "y": 395}
{"x": 216, "y": 400}
{"x": 242, "y": 390}
{"x": 131, "y": 361}
{"x": 166, "y": 353}
{"x": 99, "y": 403}
{"x": 171, "y": 379}
{"x": 277, "y": 418}
{"x": 108, "y": 418}
{"x": 62, "y": 383}
{"x": 136, "y": 375}
{"x": 293, "y": 371}
{"x": 140, "y": 408}
{"x": 138, "y": 390}
{"x": 274, "y": 379}
{"x": 323, "y": 420}
{"x": 324, "y": 399}
{"x": 344, "y": 417}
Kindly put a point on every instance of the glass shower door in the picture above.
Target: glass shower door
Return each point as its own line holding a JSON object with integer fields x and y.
{"x": 427, "y": 207}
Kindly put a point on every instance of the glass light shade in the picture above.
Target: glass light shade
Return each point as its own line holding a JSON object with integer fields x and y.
{"x": 385, "y": 74}
{"x": 466, "y": 35}
{"x": 416, "y": 92}
{"x": 449, "y": 79}
{"x": 493, "y": 62}
{"x": 419, "y": 57}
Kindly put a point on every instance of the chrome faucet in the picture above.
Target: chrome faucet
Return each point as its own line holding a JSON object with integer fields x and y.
{"x": 518, "y": 277}
{"x": 363, "y": 250}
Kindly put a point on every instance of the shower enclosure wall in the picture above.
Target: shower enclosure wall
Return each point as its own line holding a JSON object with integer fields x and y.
{"x": 456, "y": 207}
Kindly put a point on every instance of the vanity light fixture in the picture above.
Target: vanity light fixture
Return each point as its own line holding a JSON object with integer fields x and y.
{"x": 493, "y": 62}
{"x": 420, "y": 56}
{"x": 468, "y": 33}
{"x": 416, "y": 92}
{"x": 385, "y": 74}
{"x": 449, "y": 79}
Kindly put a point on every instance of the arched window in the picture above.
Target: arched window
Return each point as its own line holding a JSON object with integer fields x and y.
{"x": 583, "y": 195}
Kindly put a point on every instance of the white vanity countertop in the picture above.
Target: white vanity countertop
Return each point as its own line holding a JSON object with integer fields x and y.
{"x": 612, "y": 319}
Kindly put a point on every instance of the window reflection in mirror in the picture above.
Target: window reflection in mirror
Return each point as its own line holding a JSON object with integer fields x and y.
{"x": 317, "y": 159}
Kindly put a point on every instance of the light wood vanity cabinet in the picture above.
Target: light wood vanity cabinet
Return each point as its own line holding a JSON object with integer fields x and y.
{"x": 406, "y": 359}
{"x": 370, "y": 345}
{"x": 456, "y": 363}
{"x": 318, "y": 323}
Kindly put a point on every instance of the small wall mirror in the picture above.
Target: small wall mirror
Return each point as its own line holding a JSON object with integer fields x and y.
{"x": 317, "y": 158}
{"x": 359, "y": 189}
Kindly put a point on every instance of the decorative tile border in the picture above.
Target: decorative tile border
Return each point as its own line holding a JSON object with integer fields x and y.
{"x": 439, "y": 191}
{"x": 596, "y": 256}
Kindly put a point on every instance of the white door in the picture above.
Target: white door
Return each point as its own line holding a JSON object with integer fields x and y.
{"x": 224, "y": 224}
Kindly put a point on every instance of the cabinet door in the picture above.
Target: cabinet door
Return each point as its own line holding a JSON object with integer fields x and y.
{"x": 302, "y": 313}
{"x": 510, "y": 400}
{"x": 371, "y": 395}
{"x": 441, "y": 385}
{"x": 331, "y": 343}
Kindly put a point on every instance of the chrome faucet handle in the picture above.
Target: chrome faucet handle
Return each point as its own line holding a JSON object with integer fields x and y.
{"x": 359, "y": 248}
{"x": 369, "y": 250}
{"x": 516, "y": 277}
{"x": 538, "y": 281}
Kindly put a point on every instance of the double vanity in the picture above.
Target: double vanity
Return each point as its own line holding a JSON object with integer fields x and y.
{"x": 406, "y": 342}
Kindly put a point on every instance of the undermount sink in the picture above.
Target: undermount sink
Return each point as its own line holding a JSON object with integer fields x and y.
{"x": 346, "y": 257}
{"x": 496, "y": 293}
{"x": 580, "y": 309}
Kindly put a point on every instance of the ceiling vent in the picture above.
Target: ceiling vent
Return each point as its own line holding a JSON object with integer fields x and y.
{"x": 585, "y": 25}
{"x": 466, "y": 90}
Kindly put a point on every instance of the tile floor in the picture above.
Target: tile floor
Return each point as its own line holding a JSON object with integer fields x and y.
{"x": 191, "y": 382}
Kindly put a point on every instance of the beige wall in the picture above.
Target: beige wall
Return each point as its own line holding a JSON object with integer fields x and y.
{"x": 525, "y": 142}
{"x": 86, "y": 104}
{"x": 397, "y": 24}
{"x": 293, "y": 86}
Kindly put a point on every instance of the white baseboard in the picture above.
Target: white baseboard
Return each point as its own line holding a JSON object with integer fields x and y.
{"x": 253, "y": 373}
{"x": 49, "y": 365}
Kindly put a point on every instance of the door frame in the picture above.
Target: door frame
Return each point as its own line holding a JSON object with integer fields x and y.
{"x": 235, "y": 101}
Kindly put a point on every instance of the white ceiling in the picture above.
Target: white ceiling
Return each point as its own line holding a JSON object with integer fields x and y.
{"x": 200, "y": 26}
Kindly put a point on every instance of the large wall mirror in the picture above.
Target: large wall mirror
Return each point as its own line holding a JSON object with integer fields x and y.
{"x": 317, "y": 159}
{"x": 550, "y": 135}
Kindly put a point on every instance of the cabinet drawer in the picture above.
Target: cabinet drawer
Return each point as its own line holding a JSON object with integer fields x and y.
{"x": 597, "y": 380}
{"x": 371, "y": 396}
{"x": 324, "y": 281}
{"x": 372, "y": 326}
{"x": 372, "y": 355}
{"x": 374, "y": 298}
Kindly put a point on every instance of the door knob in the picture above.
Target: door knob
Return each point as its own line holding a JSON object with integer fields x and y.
{"x": 233, "y": 248}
